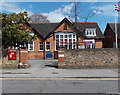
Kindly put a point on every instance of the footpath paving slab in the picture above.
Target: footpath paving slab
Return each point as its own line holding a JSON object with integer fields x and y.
{"x": 40, "y": 69}
{"x": 53, "y": 72}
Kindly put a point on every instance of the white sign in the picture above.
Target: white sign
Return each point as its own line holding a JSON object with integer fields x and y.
{"x": 11, "y": 54}
{"x": 61, "y": 55}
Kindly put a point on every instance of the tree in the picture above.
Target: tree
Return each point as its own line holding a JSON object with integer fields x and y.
{"x": 12, "y": 29}
{"x": 38, "y": 17}
{"x": 74, "y": 17}
{"x": 118, "y": 45}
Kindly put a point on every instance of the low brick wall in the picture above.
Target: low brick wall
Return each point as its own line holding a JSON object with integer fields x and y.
{"x": 92, "y": 58}
{"x": 22, "y": 57}
{"x": 10, "y": 63}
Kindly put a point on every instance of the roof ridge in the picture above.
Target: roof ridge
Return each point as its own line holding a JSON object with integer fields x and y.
{"x": 85, "y": 22}
{"x": 42, "y": 22}
{"x": 113, "y": 22}
{"x": 55, "y": 22}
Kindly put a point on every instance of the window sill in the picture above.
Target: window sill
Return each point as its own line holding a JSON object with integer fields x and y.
{"x": 40, "y": 50}
{"x": 47, "y": 50}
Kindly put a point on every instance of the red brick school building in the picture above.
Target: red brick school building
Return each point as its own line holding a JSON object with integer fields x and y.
{"x": 70, "y": 35}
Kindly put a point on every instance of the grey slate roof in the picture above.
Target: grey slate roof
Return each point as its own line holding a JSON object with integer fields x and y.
{"x": 81, "y": 26}
{"x": 45, "y": 28}
{"x": 112, "y": 26}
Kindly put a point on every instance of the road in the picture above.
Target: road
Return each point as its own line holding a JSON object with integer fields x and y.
{"x": 59, "y": 85}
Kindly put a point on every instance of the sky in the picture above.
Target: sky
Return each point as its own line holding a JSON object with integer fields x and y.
{"x": 104, "y": 12}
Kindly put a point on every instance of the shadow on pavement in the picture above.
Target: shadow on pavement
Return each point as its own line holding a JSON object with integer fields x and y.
{"x": 53, "y": 64}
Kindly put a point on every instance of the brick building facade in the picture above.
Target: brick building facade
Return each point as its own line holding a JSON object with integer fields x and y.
{"x": 110, "y": 39}
{"x": 70, "y": 35}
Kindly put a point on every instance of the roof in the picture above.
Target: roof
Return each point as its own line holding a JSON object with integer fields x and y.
{"x": 112, "y": 26}
{"x": 44, "y": 29}
{"x": 82, "y": 25}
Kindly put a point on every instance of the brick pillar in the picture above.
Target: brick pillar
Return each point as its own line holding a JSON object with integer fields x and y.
{"x": 23, "y": 56}
{"x": 61, "y": 57}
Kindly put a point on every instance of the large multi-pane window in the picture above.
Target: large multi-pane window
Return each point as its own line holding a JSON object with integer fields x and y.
{"x": 31, "y": 46}
{"x": 68, "y": 40}
{"x": 41, "y": 46}
{"x": 47, "y": 46}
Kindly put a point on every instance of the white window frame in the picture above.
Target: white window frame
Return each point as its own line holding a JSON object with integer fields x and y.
{"x": 92, "y": 30}
{"x": 63, "y": 33}
{"x": 29, "y": 47}
{"x": 39, "y": 46}
{"x": 46, "y": 47}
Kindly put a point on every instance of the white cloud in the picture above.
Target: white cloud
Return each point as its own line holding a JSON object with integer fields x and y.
{"x": 97, "y": 12}
{"x": 58, "y": 14}
{"x": 13, "y": 8}
{"x": 106, "y": 10}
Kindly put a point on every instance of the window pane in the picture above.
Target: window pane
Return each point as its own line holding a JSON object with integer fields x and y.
{"x": 66, "y": 46}
{"x": 61, "y": 36}
{"x": 65, "y": 36}
{"x": 90, "y": 32}
{"x": 73, "y": 36}
{"x": 47, "y": 45}
{"x": 70, "y": 41}
{"x": 61, "y": 41}
{"x": 41, "y": 45}
{"x": 93, "y": 32}
{"x": 73, "y": 46}
{"x": 70, "y": 36}
{"x": 73, "y": 41}
{"x": 57, "y": 36}
{"x": 57, "y": 41}
{"x": 30, "y": 46}
{"x": 87, "y": 32}
{"x": 70, "y": 46}
{"x": 65, "y": 41}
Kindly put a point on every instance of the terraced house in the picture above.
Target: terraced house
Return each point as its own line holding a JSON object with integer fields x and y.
{"x": 110, "y": 35}
{"x": 50, "y": 36}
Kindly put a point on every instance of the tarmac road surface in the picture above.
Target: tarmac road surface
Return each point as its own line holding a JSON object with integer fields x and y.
{"x": 39, "y": 85}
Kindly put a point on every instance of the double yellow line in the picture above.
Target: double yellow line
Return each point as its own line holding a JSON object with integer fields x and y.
{"x": 59, "y": 78}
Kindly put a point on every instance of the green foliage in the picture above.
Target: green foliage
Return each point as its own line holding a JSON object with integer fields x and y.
{"x": 13, "y": 31}
{"x": 118, "y": 45}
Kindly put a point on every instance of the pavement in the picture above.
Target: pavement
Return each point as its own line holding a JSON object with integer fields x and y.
{"x": 45, "y": 69}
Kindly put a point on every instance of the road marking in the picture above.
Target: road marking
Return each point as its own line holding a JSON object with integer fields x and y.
{"x": 59, "y": 78}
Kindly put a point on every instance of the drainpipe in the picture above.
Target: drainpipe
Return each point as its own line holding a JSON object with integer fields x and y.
{"x": 44, "y": 50}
